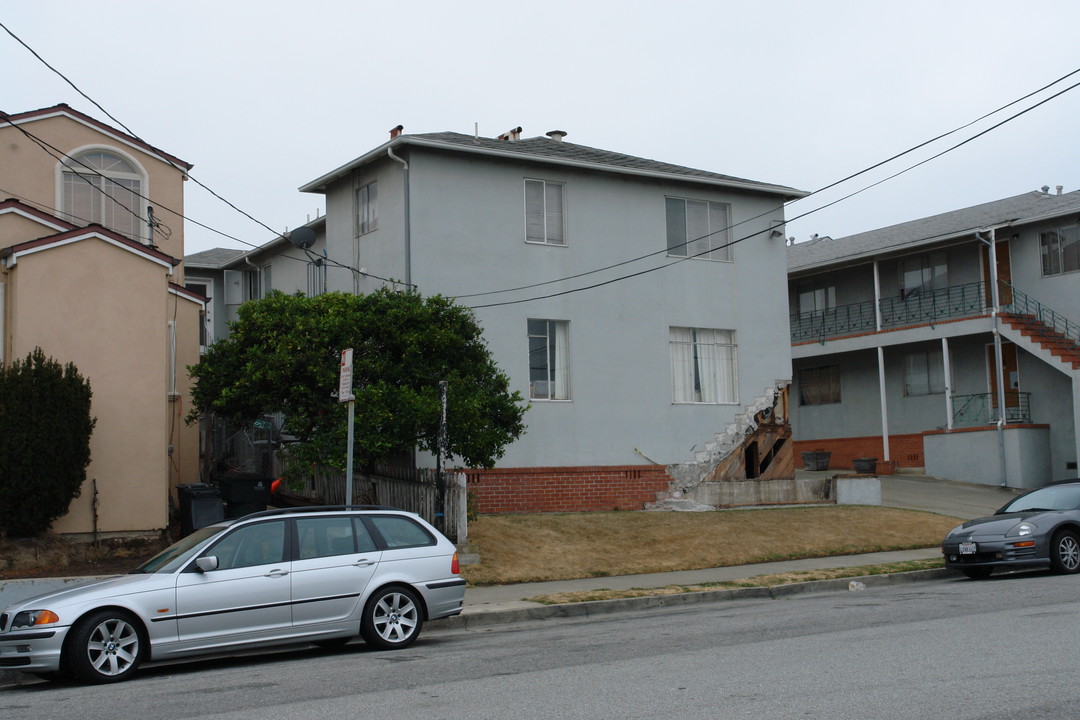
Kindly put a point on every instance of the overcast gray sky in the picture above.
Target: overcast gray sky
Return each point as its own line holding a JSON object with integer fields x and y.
{"x": 265, "y": 96}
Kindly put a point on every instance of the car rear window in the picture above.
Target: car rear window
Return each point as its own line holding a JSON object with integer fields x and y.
{"x": 401, "y": 532}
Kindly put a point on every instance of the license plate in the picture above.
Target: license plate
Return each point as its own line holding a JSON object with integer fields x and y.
{"x": 967, "y": 548}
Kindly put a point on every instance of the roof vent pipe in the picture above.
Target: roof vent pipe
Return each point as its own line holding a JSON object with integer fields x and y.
{"x": 1060, "y": 188}
{"x": 557, "y": 135}
{"x": 395, "y": 132}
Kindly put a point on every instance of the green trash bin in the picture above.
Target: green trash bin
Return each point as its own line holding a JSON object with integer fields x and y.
{"x": 244, "y": 494}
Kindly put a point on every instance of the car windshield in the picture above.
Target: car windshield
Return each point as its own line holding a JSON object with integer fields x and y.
{"x": 1054, "y": 497}
{"x": 173, "y": 557}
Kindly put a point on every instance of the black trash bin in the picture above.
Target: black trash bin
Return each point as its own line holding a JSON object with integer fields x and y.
{"x": 244, "y": 494}
{"x": 200, "y": 505}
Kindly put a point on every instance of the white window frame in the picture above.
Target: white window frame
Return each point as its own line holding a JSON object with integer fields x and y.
{"x": 549, "y": 356}
{"x": 132, "y": 206}
{"x": 924, "y": 373}
{"x": 367, "y": 208}
{"x": 545, "y": 212}
{"x": 704, "y": 366}
{"x": 706, "y": 236}
{"x": 1058, "y": 247}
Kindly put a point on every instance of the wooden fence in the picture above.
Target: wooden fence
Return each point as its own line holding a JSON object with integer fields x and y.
{"x": 409, "y": 489}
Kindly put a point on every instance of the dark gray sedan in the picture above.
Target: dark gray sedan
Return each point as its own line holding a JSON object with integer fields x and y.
{"x": 1038, "y": 529}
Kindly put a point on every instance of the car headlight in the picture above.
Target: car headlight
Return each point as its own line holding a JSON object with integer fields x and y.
{"x": 30, "y": 618}
{"x": 1024, "y": 528}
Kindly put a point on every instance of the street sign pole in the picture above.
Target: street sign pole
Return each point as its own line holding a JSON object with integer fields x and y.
{"x": 345, "y": 394}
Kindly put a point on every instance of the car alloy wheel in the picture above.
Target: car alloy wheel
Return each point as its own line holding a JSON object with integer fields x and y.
{"x": 106, "y": 646}
{"x": 1065, "y": 552}
{"x": 392, "y": 618}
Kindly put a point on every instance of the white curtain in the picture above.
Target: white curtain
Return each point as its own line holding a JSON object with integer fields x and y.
{"x": 703, "y": 365}
{"x": 561, "y": 372}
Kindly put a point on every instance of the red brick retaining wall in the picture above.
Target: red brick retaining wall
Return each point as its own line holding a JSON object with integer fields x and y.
{"x": 904, "y": 450}
{"x": 565, "y": 489}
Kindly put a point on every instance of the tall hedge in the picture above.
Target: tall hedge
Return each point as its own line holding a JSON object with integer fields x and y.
{"x": 45, "y": 428}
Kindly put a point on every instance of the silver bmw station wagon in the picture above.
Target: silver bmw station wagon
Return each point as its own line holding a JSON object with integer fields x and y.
{"x": 321, "y": 575}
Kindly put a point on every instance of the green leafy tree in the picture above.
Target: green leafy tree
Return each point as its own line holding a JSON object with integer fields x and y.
{"x": 45, "y": 428}
{"x": 283, "y": 355}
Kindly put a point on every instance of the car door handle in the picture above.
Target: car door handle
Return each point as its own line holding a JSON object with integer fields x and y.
{"x": 363, "y": 562}
{"x": 277, "y": 573}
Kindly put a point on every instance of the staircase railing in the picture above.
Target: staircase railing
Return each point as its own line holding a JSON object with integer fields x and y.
{"x": 1024, "y": 305}
{"x": 981, "y": 408}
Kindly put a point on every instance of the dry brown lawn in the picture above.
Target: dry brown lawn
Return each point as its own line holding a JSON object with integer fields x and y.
{"x": 531, "y": 548}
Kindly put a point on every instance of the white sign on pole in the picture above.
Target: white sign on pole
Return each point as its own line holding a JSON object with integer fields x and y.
{"x": 345, "y": 393}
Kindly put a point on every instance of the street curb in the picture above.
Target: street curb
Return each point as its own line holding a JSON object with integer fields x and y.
{"x": 649, "y": 602}
{"x": 585, "y": 610}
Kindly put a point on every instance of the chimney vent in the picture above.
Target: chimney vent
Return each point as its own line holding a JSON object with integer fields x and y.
{"x": 557, "y": 135}
{"x": 396, "y": 132}
{"x": 1060, "y": 188}
{"x": 512, "y": 135}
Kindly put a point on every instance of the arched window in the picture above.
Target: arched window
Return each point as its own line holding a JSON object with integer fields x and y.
{"x": 99, "y": 187}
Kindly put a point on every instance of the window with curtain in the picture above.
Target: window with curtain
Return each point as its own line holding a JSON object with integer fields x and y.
{"x": 102, "y": 188}
{"x": 703, "y": 365}
{"x": 924, "y": 373}
{"x": 820, "y": 385}
{"x": 922, "y": 274}
{"x": 549, "y": 359}
{"x": 1060, "y": 250}
{"x": 367, "y": 208}
{"x": 698, "y": 229}
{"x": 544, "y": 212}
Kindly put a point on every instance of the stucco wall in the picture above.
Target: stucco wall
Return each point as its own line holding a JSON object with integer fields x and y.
{"x": 89, "y": 303}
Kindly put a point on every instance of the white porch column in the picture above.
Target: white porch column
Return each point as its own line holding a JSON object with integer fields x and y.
{"x": 884, "y": 403}
{"x": 948, "y": 382}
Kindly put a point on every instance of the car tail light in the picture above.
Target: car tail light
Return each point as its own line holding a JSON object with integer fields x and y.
{"x": 455, "y": 567}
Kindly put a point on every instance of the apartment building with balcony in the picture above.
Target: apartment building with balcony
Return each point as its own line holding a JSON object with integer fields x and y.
{"x": 903, "y": 351}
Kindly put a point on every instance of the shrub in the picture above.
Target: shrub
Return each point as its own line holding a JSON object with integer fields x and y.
{"x": 45, "y": 428}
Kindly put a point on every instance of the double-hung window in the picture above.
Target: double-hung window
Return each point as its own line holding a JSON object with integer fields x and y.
{"x": 703, "y": 365}
{"x": 544, "y": 212}
{"x": 924, "y": 373}
{"x": 549, "y": 359}
{"x": 698, "y": 229}
{"x": 367, "y": 208}
{"x": 1060, "y": 250}
{"x": 99, "y": 187}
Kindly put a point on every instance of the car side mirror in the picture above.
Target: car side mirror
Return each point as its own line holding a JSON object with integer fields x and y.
{"x": 206, "y": 564}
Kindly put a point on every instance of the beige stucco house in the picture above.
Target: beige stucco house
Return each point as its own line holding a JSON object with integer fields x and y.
{"x": 93, "y": 277}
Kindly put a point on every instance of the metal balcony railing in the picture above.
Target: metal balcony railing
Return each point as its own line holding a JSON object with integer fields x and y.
{"x": 919, "y": 308}
{"x": 982, "y": 408}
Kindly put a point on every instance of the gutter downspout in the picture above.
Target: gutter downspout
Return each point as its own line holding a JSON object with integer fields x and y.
{"x": 408, "y": 229}
{"x": 991, "y": 257}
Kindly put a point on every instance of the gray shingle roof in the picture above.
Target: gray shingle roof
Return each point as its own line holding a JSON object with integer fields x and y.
{"x": 929, "y": 230}
{"x": 570, "y": 152}
{"x": 548, "y": 150}
{"x": 212, "y": 258}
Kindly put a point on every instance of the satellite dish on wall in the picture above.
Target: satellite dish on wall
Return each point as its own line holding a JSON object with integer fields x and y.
{"x": 302, "y": 237}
